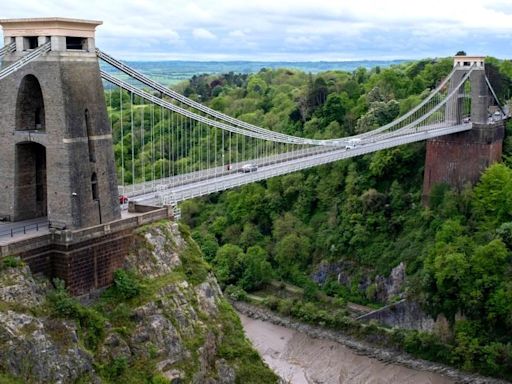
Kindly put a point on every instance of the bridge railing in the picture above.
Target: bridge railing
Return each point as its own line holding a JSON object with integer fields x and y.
{"x": 24, "y": 229}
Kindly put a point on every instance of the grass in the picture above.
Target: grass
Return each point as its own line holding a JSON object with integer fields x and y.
{"x": 9, "y": 379}
{"x": 11, "y": 262}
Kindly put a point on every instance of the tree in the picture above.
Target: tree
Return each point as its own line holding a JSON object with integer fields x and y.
{"x": 256, "y": 86}
{"x": 493, "y": 196}
{"x": 334, "y": 108}
{"x": 257, "y": 270}
{"x": 228, "y": 264}
{"x": 292, "y": 250}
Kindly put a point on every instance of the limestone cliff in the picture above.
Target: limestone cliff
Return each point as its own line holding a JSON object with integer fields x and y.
{"x": 163, "y": 321}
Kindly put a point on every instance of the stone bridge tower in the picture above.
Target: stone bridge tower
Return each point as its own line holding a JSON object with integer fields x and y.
{"x": 460, "y": 158}
{"x": 56, "y": 156}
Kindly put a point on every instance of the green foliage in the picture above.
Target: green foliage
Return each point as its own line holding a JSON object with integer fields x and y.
{"x": 91, "y": 322}
{"x": 237, "y": 349}
{"x": 235, "y": 293}
{"x": 126, "y": 284}
{"x": 11, "y": 262}
{"x": 8, "y": 379}
{"x": 257, "y": 270}
{"x": 228, "y": 264}
{"x": 115, "y": 368}
{"x": 493, "y": 196}
{"x": 192, "y": 262}
{"x": 362, "y": 214}
{"x": 292, "y": 251}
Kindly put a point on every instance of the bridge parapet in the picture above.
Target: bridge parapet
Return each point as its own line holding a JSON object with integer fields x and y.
{"x": 66, "y": 35}
{"x": 466, "y": 62}
{"x": 87, "y": 258}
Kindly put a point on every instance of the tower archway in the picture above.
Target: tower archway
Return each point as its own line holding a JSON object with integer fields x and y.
{"x": 30, "y": 114}
{"x": 30, "y": 197}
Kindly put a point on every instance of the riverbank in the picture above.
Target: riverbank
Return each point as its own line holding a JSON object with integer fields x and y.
{"x": 357, "y": 348}
{"x": 300, "y": 359}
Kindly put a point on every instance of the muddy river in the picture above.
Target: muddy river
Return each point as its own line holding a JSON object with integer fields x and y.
{"x": 300, "y": 359}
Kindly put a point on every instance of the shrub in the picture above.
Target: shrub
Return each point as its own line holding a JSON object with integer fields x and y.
{"x": 91, "y": 322}
{"x": 235, "y": 293}
{"x": 11, "y": 262}
{"x": 126, "y": 284}
{"x": 271, "y": 302}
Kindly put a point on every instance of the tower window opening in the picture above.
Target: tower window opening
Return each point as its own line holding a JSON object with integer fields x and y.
{"x": 94, "y": 185}
{"x": 75, "y": 43}
{"x": 92, "y": 153}
{"x": 30, "y": 42}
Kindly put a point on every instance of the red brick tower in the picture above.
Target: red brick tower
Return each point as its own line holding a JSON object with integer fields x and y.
{"x": 460, "y": 158}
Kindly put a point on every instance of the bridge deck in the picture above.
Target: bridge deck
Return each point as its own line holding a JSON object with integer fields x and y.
{"x": 201, "y": 187}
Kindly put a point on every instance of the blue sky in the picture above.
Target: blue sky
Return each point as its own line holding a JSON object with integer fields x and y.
{"x": 291, "y": 30}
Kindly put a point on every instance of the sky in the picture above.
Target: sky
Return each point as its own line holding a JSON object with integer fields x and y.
{"x": 286, "y": 30}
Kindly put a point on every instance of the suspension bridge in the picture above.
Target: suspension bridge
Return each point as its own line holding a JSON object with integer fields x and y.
{"x": 195, "y": 150}
{"x": 82, "y": 132}
{"x": 222, "y": 152}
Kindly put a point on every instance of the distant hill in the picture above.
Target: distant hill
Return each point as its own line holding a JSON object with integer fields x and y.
{"x": 171, "y": 72}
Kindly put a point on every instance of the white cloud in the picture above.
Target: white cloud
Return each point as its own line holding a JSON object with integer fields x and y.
{"x": 295, "y": 29}
{"x": 238, "y": 34}
{"x": 202, "y": 33}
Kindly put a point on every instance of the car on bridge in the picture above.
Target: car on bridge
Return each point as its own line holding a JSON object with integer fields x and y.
{"x": 352, "y": 143}
{"x": 123, "y": 199}
{"x": 246, "y": 168}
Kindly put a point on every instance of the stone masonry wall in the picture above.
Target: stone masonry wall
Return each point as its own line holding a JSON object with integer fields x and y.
{"x": 85, "y": 259}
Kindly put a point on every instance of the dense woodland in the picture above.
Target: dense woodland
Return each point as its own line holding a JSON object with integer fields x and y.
{"x": 364, "y": 213}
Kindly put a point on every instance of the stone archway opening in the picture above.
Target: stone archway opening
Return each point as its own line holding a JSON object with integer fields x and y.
{"x": 30, "y": 114}
{"x": 31, "y": 200}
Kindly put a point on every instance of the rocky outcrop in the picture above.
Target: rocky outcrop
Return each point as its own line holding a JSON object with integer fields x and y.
{"x": 391, "y": 286}
{"x": 18, "y": 286}
{"x": 403, "y": 314}
{"x": 46, "y": 349}
{"x": 157, "y": 252}
{"x": 174, "y": 328}
{"x": 383, "y": 289}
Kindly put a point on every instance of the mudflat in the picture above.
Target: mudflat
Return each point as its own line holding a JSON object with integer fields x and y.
{"x": 301, "y": 359}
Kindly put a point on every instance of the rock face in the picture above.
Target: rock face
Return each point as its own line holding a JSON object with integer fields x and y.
{"x": 404, "y": 314}
{"x": 17, "y": 285}
{"x": 174, "y": 329}
{"x": 392, "y": 286}
{"x": 385, "y": 288}
{"x": 42, "y": 348}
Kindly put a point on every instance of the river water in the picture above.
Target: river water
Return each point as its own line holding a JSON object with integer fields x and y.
{"x": 301, "y": 359}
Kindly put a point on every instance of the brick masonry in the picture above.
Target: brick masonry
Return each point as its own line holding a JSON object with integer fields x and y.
{"x": 85, "y": 259}
{"x": 459, "y": 159}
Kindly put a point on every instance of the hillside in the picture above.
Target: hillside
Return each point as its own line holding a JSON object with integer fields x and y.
{"x": 164, "y": 320}
{"x": 341, "y": 228}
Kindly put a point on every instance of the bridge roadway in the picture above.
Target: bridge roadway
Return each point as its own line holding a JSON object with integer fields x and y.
{"x": 203, "y": 186}
{"x": 138, "y": 189}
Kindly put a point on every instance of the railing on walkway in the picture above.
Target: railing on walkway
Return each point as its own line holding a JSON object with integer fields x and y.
{"x": 24, "y": 229}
